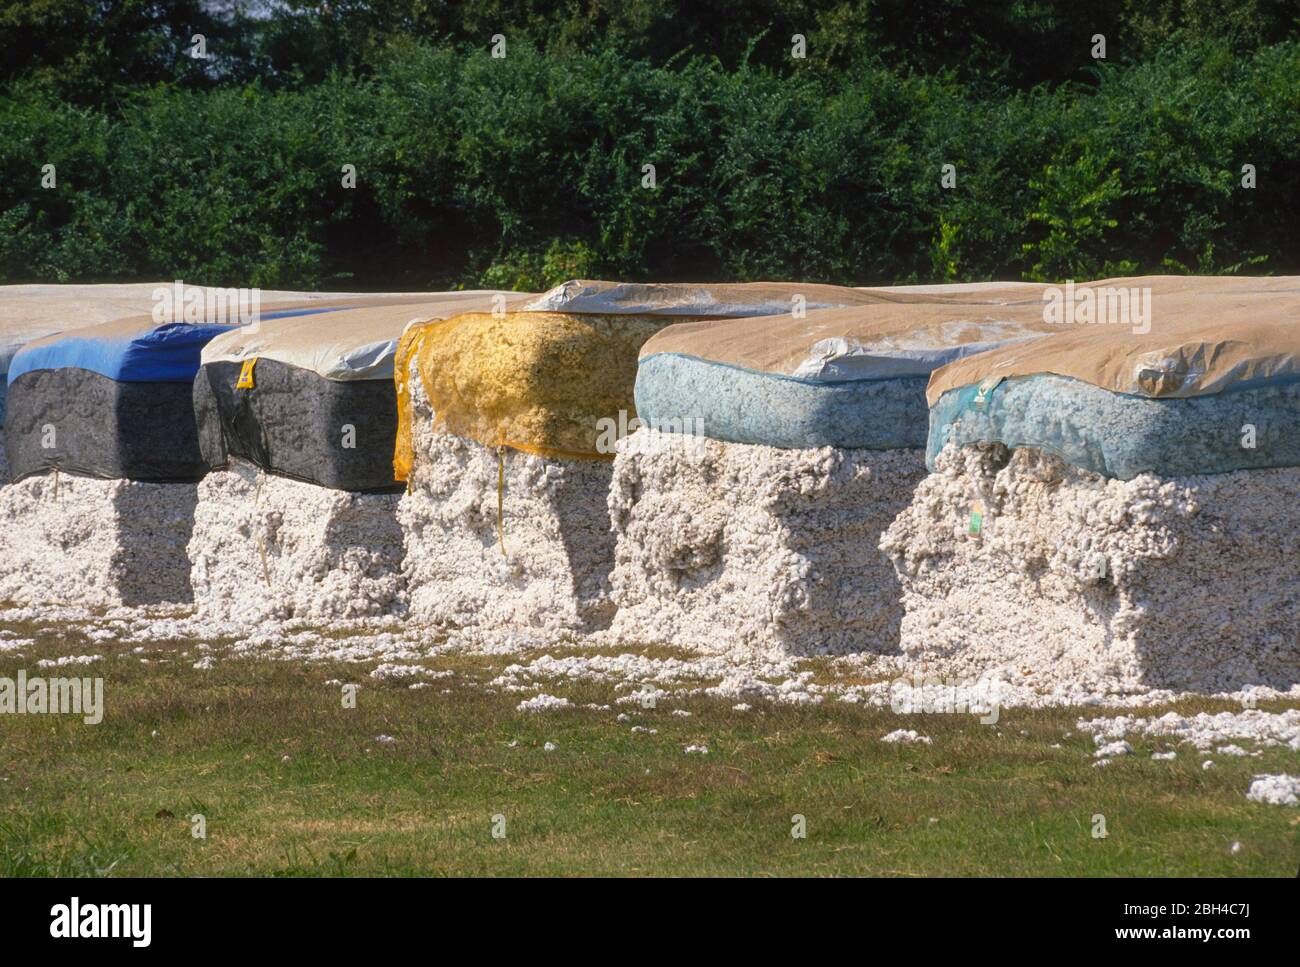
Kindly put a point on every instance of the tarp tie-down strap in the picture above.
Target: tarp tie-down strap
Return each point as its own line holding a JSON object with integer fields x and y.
{"x": 501, "y": 497}
{"x": 261, "y": 551}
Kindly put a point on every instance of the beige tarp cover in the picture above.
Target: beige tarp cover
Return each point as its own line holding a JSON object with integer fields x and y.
{"x": 1205, "y": 335}
{"x": 907, "y": 336}
{"x": 693, "y": 299}
{"x": 753, "y": 299}
{"x": 965, "y": 291}
{"x": 961, "y": 328}
{"x": 350, "y": 344}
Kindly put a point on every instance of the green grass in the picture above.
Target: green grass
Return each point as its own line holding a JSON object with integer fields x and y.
{"x": 293, "y": 784}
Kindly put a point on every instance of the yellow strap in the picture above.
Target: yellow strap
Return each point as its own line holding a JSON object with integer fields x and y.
{"x": 501, "y": 497}
{"x": 261, "y": 550}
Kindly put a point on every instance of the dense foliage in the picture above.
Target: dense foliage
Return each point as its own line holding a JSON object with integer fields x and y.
{"x": 529, "y": 168}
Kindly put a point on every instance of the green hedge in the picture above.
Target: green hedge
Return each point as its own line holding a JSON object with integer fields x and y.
{"x": 526, "y": 170}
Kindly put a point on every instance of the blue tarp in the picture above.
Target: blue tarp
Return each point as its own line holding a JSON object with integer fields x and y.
{"x": 164, "y": 354}
{"x": 131, "y": 352}
{"x": 1247, "y": 427}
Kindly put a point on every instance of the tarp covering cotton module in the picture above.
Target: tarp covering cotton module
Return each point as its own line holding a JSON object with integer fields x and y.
{"x": 313, "y": 398}
{"x": 1208, "y": 383}
{"x": 115, "y": 400}
{"x": 856, "y": 377}
{"x": 30, "y": 312}
{"x": 849, "y": 377}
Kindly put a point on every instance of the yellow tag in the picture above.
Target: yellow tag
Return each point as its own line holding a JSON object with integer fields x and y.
{"x": 246, "y": 374}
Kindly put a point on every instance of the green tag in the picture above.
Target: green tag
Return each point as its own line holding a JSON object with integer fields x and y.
{"x": 976, "y": 520}
{"x": 986, "y": 389}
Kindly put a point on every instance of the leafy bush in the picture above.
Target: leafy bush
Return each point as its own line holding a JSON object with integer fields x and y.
{"x": 522, "y": 171}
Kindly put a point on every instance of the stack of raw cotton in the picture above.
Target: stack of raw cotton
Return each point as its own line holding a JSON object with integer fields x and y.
{"x": 748, "y": 511}
{"x": 509, "y": 423}
{"x": 104, "y": 452}
{"x": 297, "y": 418}
{"x": 30, "y": 312}
{"x": 1118, "y": 505}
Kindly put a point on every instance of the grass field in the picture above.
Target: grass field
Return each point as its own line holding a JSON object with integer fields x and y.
{"x": 291, "y": 783}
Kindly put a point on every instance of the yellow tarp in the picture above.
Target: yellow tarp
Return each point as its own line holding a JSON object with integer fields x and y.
{"x": 540, "y": 382}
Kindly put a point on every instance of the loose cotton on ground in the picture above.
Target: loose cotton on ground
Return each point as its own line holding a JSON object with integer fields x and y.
{"x": 80, "y": 541}
{"x": 264, "y": 546}
{"x": 542, "y": 563}
{"x": 738, "y": 547}
{"x": 1181, "y": 583}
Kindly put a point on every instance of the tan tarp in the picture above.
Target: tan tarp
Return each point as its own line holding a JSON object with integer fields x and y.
{"x": 349, "y": 344}
{"x": 893, "y": 331}
{"x": 1203, "y": 336}
{"x": 754, "y": 299}
{"x": 74, "y": 306}
{"x": 883, "y": 339}
{"x": 962, "y": 327}
{"x": 728, "y": 300}
{"x": 127, "y": 327}
{"x": 965, "y": 291}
